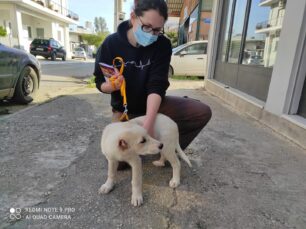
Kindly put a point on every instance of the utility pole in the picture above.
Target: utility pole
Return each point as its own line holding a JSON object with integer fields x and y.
{"x": 118, "y": 13}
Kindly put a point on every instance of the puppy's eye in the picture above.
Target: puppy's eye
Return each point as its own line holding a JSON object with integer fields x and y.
{"x": 143, "y": 140}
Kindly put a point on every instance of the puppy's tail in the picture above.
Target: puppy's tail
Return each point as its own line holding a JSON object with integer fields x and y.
{"x": 182, "y": 155}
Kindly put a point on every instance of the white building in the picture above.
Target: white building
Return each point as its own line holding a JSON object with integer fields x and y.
{"x": 272, "y": 28}
{"x": 26, "y": 20}
{"x": 76, "y": 39}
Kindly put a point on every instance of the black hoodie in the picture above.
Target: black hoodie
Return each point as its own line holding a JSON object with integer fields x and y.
{"x": 145, "y": 71}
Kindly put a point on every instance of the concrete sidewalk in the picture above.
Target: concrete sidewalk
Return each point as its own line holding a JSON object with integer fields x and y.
{"x": 244, "y": 175}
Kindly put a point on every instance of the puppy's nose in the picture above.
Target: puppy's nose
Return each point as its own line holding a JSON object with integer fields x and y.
{"x": 161, "y": 146}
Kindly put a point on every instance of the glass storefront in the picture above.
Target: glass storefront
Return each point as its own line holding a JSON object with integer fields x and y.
{"x": 193, "y": 22}
{"x": 227, "y": 31}
{"x": 264, "y": 22}
{"x": 263, "y": 34}
{"x": 248, "y": 44}
{"x": 237, "y": 29}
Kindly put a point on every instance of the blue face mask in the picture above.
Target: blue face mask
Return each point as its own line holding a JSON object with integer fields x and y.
{"x": 143, "y": 38}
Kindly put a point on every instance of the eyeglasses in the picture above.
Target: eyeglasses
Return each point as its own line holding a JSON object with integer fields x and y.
{"x": 149, "y": 29}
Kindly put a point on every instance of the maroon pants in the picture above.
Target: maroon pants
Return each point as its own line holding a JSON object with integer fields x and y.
{"x": 189, "y": 114}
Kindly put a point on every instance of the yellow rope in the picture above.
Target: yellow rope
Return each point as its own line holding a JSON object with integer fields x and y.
{"x": 113, "y": 79}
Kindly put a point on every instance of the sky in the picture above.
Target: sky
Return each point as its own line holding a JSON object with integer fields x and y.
{"x": 258, "y": 14}
{"x": 89, "y": 9}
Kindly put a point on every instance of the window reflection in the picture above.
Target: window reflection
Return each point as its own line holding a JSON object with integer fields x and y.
{"x": 228, "y": 21}
{"x": 195, "y": 49}
{"x": 193, "y": 24}
{"x": 265, "y": 23}
{"x": 237, "y": 31}
{"x": 262, "y": 32}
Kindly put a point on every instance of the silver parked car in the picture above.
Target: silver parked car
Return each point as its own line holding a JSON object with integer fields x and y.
{"x": 79, "y": 53}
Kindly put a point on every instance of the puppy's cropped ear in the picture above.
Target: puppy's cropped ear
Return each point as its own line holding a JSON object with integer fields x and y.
{"x": 123, "y": 144}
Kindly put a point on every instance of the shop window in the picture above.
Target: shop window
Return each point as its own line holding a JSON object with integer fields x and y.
{"x": 264, "y": 27}
{"x": 227, "y": 31}
{"x": 252, "y": 32}
{"x": 193, "y": 21}
{"x": 237, "y": 29}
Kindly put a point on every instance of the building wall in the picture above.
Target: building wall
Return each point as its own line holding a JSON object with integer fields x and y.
{"x": 188, "y": 7}
{"x": 30, "y": 22}
{"x": 8, "y": 19}
{"x": 74, "y": 38}
{"x": 191, "y": 28}
{"x": 204, "y": 27}
{"x": 7, "y": 16}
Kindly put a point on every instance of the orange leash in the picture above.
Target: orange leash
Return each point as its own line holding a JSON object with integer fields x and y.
{"x": 124, "y": 116}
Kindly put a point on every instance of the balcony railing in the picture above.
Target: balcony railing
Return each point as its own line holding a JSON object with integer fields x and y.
{"x": 276, "y": 22}
{"x": 261, "y": 1}
{"x": 281, "y": 3}
{"x": 58, "y": 8}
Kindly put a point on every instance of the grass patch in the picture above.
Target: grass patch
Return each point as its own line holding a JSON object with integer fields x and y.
{"x": 178, "y": 77}
{"x": 91, "y": 82}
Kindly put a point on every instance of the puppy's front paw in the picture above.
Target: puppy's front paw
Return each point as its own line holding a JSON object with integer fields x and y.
{"x": 104, "y": 189}
{"x": 159, "y": 163}
{"x": 174, "y": 183}
{"x": 137, "y": 200}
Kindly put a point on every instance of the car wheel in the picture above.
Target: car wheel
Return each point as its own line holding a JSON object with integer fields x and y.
{"x": 53, "y": 56}
{"x": 170, "y": 71}
{"x": 27, "y": 86}
{"x": 64, "y": 58}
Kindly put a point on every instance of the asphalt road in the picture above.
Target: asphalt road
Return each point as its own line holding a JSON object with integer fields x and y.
{"x": 58, "y": 78}
{"x": 69, "y": 68}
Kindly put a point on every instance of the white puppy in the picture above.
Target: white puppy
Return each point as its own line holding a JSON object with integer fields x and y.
{"x": 125, "y": 141}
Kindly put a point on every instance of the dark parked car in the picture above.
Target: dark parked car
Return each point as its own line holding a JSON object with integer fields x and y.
{"x": 47, "y": 48}
{"x": 19, "y": 75}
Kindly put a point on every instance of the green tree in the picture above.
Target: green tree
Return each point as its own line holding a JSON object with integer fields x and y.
{"x": 100, "y": 25}
{"x": 95, "y": 39}
{"x": 2, "y": 31}
{"x": 173, "y": 38}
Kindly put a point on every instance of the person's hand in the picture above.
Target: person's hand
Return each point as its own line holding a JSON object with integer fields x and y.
{"x": 117, "y": 80}
{"x": 113, "y": 83}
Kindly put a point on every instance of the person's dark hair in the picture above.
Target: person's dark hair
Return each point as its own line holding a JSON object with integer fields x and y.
{"x": 144, "y": 5}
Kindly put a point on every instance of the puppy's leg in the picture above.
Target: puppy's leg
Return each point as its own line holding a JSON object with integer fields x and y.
{"x": 135, "y": 163}
{"x": 110, "y": 182}
{"x": 161, "y": 161}
{"x": 176, "y": 166}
